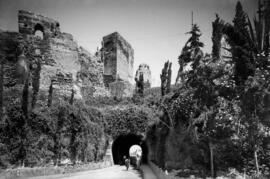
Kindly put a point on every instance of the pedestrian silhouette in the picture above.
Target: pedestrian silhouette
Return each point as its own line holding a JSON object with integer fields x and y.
{"x": 127, "y": 162}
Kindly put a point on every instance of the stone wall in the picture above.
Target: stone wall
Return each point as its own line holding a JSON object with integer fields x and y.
{"x": 63, "y": 63}
{"x": 125, "y": 59}
{"x": 8, "y": 52}
{"x": 52, "y": 171}
{"x": 225, "y": 53}
{"x": 160, "y": 173}
{"x": 30, "y": 22}
{"x": 121, "y": 89}
{"x": 91, "y": 74}
{"x": 109, "y": 58}
{"x": 118, "y": 57}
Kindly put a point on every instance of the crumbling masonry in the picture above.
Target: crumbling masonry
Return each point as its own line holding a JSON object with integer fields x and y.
{"x": 64, "y": 64}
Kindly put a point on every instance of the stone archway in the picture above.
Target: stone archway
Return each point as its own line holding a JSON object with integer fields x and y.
{"x": 122, "y": 144}
{"x": 39, "y": 31}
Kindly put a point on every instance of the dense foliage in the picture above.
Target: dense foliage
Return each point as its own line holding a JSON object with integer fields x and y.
{"x": 220, "y": 110}
{"x": 128, "y": 119}
{"x": 51, "y": 134}
{"x": 215, "y": 118}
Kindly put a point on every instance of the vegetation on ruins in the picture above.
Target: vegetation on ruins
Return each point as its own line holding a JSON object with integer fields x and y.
{"x": 51, "y": 134}
{"x": 215, "y": 118}
{"x": 128, "y": 119}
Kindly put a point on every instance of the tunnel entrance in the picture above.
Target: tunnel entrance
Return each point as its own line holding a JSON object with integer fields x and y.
{"x": 122, "y": 145}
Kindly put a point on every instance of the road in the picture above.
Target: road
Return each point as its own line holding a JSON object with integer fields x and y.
{"x": 113, "y": 172}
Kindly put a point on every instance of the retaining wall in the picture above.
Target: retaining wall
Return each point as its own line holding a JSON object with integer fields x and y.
{"x": 162, "y": 175}
{"x": 45, "y": 171}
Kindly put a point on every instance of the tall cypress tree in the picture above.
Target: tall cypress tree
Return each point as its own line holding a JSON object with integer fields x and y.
{"x": 165, "y": 78}
{"x": 242, "y": 48}
{"x": 240, "y": 19}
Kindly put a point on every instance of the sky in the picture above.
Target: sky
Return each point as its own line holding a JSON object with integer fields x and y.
{"x": 154, "y": 28}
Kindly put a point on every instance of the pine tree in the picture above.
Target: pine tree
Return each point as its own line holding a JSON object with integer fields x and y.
{"x": 191, "y": 52}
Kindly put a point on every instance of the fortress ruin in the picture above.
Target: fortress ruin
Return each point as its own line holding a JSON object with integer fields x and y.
{"x": 65, "y": 65}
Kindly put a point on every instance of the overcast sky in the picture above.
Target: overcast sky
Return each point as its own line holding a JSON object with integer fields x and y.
{"x": 155, "y": 28}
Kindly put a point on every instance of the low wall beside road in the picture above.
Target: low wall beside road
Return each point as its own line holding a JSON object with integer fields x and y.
{"x": 160, "y": 173}
{"x": 45, "y": 171}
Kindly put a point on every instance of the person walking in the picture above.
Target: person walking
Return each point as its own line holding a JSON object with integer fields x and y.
{"x": 127, "y": 162}
{"x": 138, "y": 161}
{"x": 124, "y": 159}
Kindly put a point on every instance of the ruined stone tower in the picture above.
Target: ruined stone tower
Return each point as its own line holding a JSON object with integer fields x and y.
{"x": 144, "y": 70}
{"x": 30, "y": 23}
{"x": 65, "y": 65}
{"x": 118, "y": 58}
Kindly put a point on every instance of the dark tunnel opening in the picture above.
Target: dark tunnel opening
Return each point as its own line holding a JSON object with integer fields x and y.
{"x": 122, "y": 144}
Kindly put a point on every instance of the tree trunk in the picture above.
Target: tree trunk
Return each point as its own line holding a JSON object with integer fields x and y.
{"x": 256, "y": 161}
{"x": 50, "y": 94}
{"x": 1, "y": 86}
{"x": 25, "y": 96}
{"x": 212, "y": 159}
{"x": 71, "y": 97}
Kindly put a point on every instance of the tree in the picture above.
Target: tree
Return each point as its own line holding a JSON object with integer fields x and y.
{"x": 250, "y": 59}
{"x": 218, "y": 27}
{"x": 50, "y": 95}
{"x": 30, "y": 68}
{"x": 140, "y": 84}
{"x": 1, "y": 85}
{"x": 241, "y": 47}
{"x": 72, "y": 97}
{"x": 168, "y": 85}
{"x": 35, "y": 79}
{"x": 260, "y": 39}
{"x": 165, "y": 78}
{"x": 191, "y": 53}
